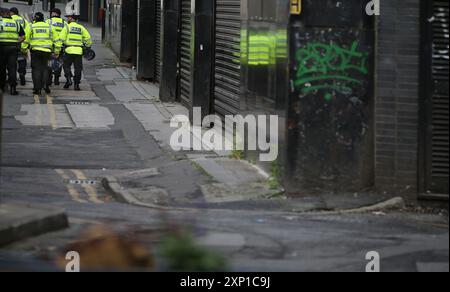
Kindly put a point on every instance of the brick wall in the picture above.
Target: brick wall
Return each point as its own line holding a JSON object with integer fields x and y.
{"x": 397, "y": 97}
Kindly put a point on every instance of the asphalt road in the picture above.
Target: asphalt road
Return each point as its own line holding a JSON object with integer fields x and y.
{"x": 47, "y": 151}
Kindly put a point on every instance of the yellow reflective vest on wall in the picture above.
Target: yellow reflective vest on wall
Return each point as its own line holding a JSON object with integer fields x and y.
{"x": 74, "y": 38}
{"x": 40, "y": 36}
{"x": 9, "y": 31}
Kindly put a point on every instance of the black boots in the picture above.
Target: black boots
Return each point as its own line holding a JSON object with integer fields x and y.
{"x": 13, "y": 90}
{"x": 56, "y": 81}
{"x": 68, "y": 84}
{"x": 47, "y": 90}
{"x": 23, "y": 81}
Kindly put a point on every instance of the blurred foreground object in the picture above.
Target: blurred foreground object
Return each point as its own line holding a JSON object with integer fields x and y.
{"x": 101, "y": 249}
{"x": 183, "y": 255}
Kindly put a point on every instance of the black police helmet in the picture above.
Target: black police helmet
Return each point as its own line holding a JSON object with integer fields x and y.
{"x": 89, "y": 54}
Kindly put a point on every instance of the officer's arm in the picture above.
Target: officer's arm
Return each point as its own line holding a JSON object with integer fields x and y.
{"x": 87, "y": 40}
{"x": 57, "y": 44}
{"x": 21, "y": 34}
{"x": 26, "y": 43}
{"x": 63, "y": 36}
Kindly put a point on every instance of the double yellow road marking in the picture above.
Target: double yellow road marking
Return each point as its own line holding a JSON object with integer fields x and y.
{"x": 74, "y": 193}
{"x": 70, "y": 188}
{"x": 37, "y": 106}
{"x": 90, "y": 190}
{"x": 51, "y": 110}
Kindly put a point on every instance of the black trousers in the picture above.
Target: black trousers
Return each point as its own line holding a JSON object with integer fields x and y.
{"x": 39, "y": 66}
{"x": 77, "y": 62}
{"x": 22, "y": 61}
{"x": 8, "y": 62}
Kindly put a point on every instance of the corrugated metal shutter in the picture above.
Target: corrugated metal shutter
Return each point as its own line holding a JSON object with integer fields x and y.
{"x": 158, "y": 41}
{"x": 440, "y": 98}
{"x": 227, "y": 69}
{"x": 185, "y": 54}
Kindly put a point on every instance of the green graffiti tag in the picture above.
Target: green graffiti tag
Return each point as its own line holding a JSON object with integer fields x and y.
{"x": 330, "y": 67}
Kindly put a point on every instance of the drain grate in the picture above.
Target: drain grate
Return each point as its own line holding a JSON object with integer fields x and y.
{"x": 79, "y": 103}
{"x": 82, "y": 182}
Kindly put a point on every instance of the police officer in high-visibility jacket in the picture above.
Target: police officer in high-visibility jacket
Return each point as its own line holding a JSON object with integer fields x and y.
{"x": 43, "y": 42}
{"x": 11, "y": 35}
{"x": 59, "y": 24}
{"x": 23, "y": 54}
{"x": 74, "y": 39}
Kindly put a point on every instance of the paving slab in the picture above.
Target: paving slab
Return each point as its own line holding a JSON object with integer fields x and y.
{"x": 44, "y": 115}
{"x": 124, "y": 92}
{"x": 91, "y": 116}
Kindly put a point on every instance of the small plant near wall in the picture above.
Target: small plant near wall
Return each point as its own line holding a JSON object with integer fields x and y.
{"x": 275, "y": 176}
{"x": 183, "y": 254}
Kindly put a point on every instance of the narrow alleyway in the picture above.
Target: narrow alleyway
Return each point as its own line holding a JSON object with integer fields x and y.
{"x": 56, "y": 151}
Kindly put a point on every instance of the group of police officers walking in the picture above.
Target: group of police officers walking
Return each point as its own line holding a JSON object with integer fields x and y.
{"x": 53, "y": 41}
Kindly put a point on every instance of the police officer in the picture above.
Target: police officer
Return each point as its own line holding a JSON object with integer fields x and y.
{"x": 74, "y": 39}
{"x": 11, "y": 35}
{"x": 43, "y": 42}
{"x": 22, "y": 56}
{"x": 59, "y": 24}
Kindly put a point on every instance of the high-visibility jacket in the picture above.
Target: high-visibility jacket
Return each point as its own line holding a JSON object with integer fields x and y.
{"x": 9, "y": 31}
{"x": 58, "y": 23}
{"x": 40, "y": 36}
{"x": 19, "y": 19}
{"x": 74, "y": 38}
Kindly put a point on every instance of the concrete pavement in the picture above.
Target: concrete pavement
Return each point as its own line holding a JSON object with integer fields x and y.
{"x": 57, "y": 150}
{"x": 18, "y": 222}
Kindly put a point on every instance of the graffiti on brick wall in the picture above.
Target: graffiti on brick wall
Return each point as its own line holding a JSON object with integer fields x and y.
{"x": 330, "y": 67}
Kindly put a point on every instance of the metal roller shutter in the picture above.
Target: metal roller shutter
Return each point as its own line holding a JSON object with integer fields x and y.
{"x": 158, "y": 42}
{"x": 440, "y": 99}
{"x": 227, "y": 69}
{"x": 185, "y": 54}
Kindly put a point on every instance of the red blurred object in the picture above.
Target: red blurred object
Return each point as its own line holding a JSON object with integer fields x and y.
{"x": 101, "y": 14}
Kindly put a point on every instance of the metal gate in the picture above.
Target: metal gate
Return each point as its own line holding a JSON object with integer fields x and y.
{"x": 437, "y": 156}
{"x": 158, "y": 11}
{"x": 184, "y": 89}
{"x": 227, "y": 68}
